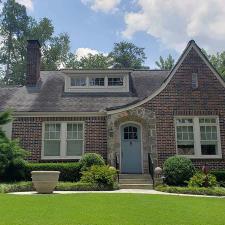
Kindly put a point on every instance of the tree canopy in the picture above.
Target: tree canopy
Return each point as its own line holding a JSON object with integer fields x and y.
{"x": 165, "y": 64}
{"x": 127, "y": 55}
{"x": 218, "y": 61}
{"x": 16, "y": 27}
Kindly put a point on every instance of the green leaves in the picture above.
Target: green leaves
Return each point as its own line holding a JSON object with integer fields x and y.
{"x": 165, "y": 64}
{"x": 127, "y": 55}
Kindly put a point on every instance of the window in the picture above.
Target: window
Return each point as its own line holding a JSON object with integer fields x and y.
{"x": 78, "y": 81}
{"x": 74, "y": 145}
{"x": 130, "y": 133}
{"x": 209, "y": 139}
{"x": 185, "y": 137}
{"x": 194, "y": 82}
{"x": 63, "y": 140}
{"x": 52, "y": 139}
{"x": 115, "y": 81}
{"x": 97, "y": 81}
{"x": 198, "y": 136}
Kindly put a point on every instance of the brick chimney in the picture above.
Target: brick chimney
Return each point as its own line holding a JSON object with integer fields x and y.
{"x": 33, "y": 62}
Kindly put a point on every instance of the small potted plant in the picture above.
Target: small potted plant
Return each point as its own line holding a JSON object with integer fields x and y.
{"x": 45, "y": 181}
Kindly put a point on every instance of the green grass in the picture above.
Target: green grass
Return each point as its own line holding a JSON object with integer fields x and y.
{"x": 110, "y": 209}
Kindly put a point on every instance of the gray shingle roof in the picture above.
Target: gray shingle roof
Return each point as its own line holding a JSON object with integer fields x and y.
{"x": 50, "y": 96}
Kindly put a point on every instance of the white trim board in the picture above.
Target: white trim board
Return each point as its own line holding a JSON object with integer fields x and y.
{"x": 191, "y": 45}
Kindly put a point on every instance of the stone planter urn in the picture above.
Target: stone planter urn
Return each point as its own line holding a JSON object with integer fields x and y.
{"x": 45, "y": 181}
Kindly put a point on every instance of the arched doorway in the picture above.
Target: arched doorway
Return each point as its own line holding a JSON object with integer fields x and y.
{"x": 131, "y": 152}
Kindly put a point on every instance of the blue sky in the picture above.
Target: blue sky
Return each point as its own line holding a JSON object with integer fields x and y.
{"x": 160, "y": 26}
{"x": 95, "y": 29}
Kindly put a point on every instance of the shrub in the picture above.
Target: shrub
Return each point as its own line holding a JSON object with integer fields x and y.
{"x": 12, "y": 161}
{"x": 61, "y": 186}
{"x": 16, "y": 187}
{"x": 68, "y": 171}
{"x": 103, "y": 176}
{"x": 220, "y": 177}
{"x": 202, "y": 180}
{"x": 178, "y": 170}
{"x": 216, "y": 191}
{"x": 90, "y": 159}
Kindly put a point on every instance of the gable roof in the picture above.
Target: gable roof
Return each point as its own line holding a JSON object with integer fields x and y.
{"x": 191, "y": 45}
{"x": 50, "y": 96}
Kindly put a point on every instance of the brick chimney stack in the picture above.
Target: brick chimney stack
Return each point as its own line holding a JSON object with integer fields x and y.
{"x": 33, "y": 62}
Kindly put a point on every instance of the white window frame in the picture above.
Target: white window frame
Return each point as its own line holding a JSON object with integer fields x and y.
{"x": 90, "y": 89}
{"x": 63, "y": 140}
{"x": 197, "y": 137}
{"x": 97, "y": 77}
{"x": 78, "y": 77}
{"x": 115, "y": 86}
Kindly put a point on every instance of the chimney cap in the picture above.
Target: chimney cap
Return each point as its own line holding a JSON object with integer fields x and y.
{"x": 34, "y": 41}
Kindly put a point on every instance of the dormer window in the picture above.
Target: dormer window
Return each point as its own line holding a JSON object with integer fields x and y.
{"x": 78, "y": 81}
{"x": 84, "y": 81}
{"x": 115, "y": 81}
{"x": 97, "y": 81}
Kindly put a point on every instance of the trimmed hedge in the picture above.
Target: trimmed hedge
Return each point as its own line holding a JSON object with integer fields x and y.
{"x": 68, "y": 171}
{"x": 61, "y": 186}
{"x": 216, "y": 191}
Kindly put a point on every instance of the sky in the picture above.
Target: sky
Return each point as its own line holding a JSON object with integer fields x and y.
{"x": 162, "y": 27}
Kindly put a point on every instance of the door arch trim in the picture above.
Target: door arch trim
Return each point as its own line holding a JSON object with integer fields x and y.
{"x": 120, "y": 135}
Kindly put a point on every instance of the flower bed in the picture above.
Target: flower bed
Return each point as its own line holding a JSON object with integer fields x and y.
{"x": 216, "y": 191}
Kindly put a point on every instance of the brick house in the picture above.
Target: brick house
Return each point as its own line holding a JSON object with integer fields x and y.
{"x": 121, "y": 114}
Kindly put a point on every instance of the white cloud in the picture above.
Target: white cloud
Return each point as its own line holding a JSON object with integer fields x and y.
{"x": 102, "y": 5}
{"x": 174, "y": 22}
{"x": 82, "y": 52}
{"x": 27, "y": 3}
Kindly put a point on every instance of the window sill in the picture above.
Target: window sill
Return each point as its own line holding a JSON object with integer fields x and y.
{"x": 203, "y": 156}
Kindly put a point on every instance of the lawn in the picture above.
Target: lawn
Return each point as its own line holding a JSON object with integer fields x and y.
{"x": 110, "y": 209}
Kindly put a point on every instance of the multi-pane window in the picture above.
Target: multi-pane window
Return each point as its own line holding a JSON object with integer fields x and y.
{"x": 115, "y": 81}
{"x": 209, "y": 138}
{"x": 198, "y": 136}
{"x": 78, "y": 81}
{"x": 52, "y": 139}
{"x": 74, "y": 144}
{"x": 63, "y": 140}
{"x": 185, "y": 136}
{"x": 130, "y": 133}
{"x": 98, "y": 81}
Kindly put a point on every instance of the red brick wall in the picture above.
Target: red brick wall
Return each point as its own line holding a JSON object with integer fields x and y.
{"x": 178, "y": 98}
{"x": 29, "y": 131}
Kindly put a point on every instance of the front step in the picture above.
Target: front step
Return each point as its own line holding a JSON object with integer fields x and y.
{"x": 136, "y": 186}
{"x": 134, "y": 176}
{"x": 135, "y": 181}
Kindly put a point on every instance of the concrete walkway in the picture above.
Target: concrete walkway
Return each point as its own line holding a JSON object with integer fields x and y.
{"x": 128, "y": 191}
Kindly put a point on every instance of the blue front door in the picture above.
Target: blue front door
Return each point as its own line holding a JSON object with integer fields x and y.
{"x": 131, "y": 148}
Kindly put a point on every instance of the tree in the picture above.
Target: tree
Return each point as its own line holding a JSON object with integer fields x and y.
{"x": 165, "y": 64}
{"x": 98, "y": 61}
{"x": 5, "y": 118}
{"x": 15, "y": 29}
{"x": 127, "y": 55}
{"x": 12, "y": 156}
{"x": 218, "y": 61}
{"x": 14, "y": 22}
